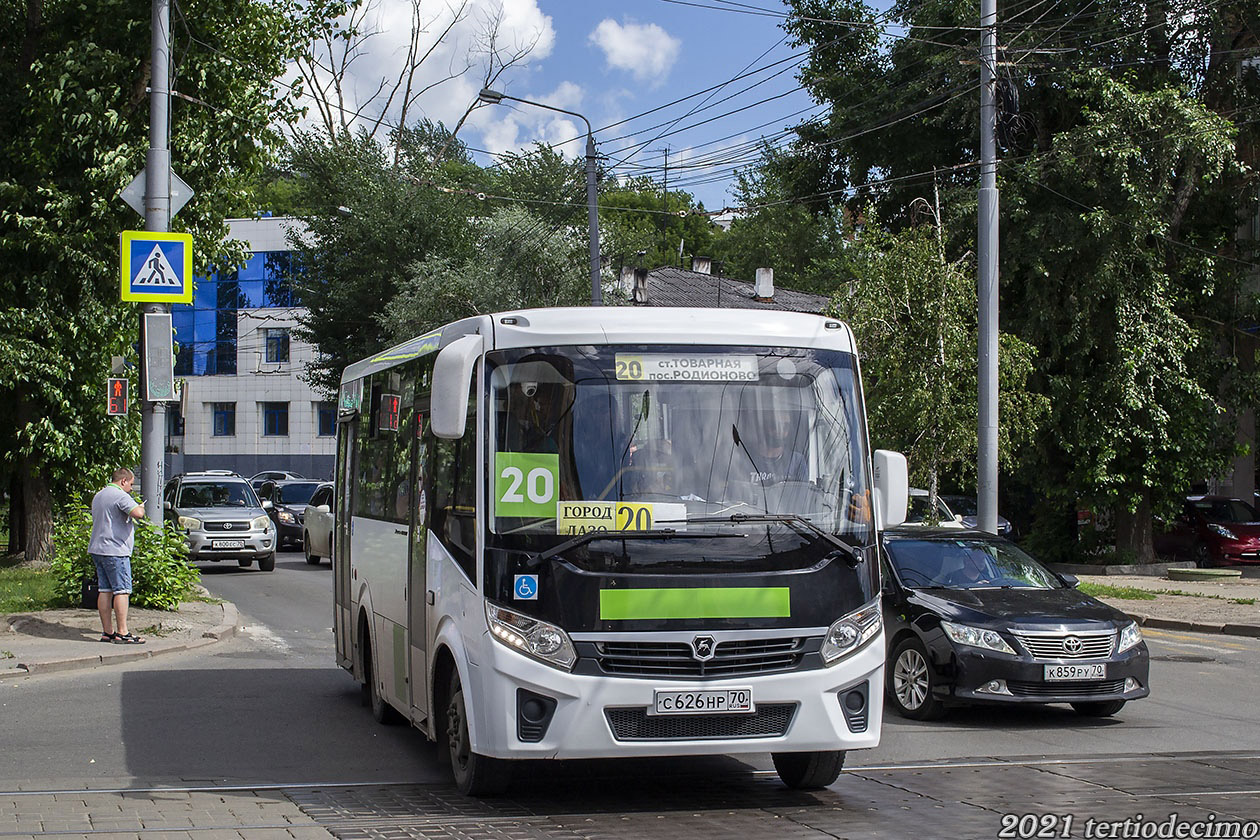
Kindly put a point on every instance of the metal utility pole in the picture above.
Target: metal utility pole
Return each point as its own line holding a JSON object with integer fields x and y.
{"x": 157, "y": 218}
{"x": 494, "y": 97}
{"x": 665, "y": 202}
{"x": 987, "y": 254}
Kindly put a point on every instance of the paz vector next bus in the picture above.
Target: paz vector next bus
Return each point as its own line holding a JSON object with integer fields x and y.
{"x": 601, "y": 532}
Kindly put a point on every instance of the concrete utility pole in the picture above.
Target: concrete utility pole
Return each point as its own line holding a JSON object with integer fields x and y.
{"x": 987, "y": 257}
{"x": 157, "y": 218}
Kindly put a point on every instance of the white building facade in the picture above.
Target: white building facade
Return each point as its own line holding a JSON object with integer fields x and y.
{"x": 244, "y": 406}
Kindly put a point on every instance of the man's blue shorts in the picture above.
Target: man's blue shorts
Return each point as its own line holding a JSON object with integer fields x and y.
{"x": 113, "y": 574}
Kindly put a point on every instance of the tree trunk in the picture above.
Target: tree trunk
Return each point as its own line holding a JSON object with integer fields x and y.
{"x": 17, "y": 521}
{"x": 1133, "y": 531}
{"x": 37, "y": 506}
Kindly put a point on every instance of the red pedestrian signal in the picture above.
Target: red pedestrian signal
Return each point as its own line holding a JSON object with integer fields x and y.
{"x": 117, "y": 393}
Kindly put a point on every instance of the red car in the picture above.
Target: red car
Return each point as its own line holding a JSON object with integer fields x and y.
{"x": 1213, "y": 531}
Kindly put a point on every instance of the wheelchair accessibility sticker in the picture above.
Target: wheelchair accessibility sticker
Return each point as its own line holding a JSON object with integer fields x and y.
{"x": 526, "y": 587}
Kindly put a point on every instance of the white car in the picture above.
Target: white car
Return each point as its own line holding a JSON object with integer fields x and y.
{"x": 917, "y": 511}
{"x": 317, "y": 525}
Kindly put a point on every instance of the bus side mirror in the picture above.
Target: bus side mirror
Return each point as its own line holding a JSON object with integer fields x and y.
{"x": 452, "y": 378}
{"x": 892, "y": 488}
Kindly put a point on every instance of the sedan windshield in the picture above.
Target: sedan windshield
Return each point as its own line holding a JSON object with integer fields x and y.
{"x": 689, "y": 438}
{"x": 965, "y": 563}
{"x": 296, "y": 494}
{"x": 218, "y": 494}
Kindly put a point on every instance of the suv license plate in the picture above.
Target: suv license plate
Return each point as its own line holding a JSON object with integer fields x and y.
{"x": 726, "y": 701}
{"x": 227, "y": 543}
{"x": 1058, "y": 673}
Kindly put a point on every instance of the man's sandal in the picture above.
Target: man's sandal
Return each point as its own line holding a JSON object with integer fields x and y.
{"x": 127, "y": 639}
{"x": 109, "y": 637}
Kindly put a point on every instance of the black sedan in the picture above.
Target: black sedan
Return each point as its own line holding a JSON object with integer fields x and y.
{"x": 287, "y": 507}
{"x": 971, "y": 618}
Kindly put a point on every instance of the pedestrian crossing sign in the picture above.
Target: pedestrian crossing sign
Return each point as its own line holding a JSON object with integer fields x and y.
{"x": 157, "y": 267}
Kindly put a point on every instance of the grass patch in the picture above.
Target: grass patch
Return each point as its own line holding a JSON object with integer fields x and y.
{"x": 1127, "y": 593}
{"x": 6, "y": 654}
{"x": 27, "y": 590}
{"x": 1247, "y": 601}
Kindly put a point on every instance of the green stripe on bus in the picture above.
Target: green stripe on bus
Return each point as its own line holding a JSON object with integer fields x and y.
{"x": 741, "y": 602}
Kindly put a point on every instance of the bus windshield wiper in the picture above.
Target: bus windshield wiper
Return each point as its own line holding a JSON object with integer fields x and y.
{"x": 653, "y": 534}
{"x": 853, "y": 556}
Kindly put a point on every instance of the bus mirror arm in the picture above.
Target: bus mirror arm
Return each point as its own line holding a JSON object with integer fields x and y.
{"x": 452, "y": 379}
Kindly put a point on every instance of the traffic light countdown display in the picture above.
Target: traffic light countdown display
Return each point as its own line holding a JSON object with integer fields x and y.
{"x": 117, "y": 394}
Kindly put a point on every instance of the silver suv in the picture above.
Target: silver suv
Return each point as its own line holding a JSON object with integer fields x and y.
{"x": 221, "y": 518}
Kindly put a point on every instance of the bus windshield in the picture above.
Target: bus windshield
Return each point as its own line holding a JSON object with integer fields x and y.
{"x": 688, "y": 438}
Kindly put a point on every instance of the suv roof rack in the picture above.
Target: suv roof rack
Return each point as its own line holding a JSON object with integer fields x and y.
{"x": 213, "y": 472}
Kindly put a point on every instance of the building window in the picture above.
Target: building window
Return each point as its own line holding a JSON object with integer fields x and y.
{"x": 327, "y": 412}
{"x": 275, "y": 419}
{"x": 277, "y": 345}
{"x": 174, "y": 420}
{"x": 224, "y": 419}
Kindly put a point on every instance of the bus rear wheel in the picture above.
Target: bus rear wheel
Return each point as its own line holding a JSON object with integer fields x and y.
{"x": 381, "y": 710}
{"x": 808, "y": 770}
{"x": 475, "y": 774}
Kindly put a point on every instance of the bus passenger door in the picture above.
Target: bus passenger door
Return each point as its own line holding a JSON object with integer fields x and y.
{"x": 417, "y": 564}
{"x": 340, "y": 548}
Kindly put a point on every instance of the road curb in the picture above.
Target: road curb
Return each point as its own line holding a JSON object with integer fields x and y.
{"x": 225, "y": 629}
{"x": 1251, "y": 630}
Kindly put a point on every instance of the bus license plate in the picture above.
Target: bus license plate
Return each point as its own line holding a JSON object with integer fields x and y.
{"x": 227, "y": 543}
{"x": 726, "y": 701}
{"x": 1058, "y": 673}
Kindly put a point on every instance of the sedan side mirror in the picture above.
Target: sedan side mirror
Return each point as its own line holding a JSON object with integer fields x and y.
{"x": 1069, "y": 581}
{"x": 167, "y": 506}
{"x": 323, "y": 508}
{"x": 267, "y": 505}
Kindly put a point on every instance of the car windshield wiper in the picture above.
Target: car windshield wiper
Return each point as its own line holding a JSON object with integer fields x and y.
{"x": 854, "y": 555}
{"x": 653, "y": 534}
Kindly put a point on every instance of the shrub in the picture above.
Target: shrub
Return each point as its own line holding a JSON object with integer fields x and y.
{"x": 161, "y": 576}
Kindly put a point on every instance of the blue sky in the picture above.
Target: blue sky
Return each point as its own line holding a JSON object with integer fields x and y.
{"x": 612, "y": 62}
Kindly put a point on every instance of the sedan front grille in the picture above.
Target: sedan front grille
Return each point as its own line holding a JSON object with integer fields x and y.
{"x": 225, "y": 526}
{"x": 731, "y": 658}
{"x": 771, "y": 720}
{"x": 1091, "y": 644}
{"x": 1067, "y": 688}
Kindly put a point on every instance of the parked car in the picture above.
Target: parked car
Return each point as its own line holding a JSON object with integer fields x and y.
{"x": 917, "y": 511}
{"x": 317, "y": 525}
{"x": 288, "y": 507}
{"x": 971, "y": 618}
{"x": 221, "y": 518}
{"x": 969, "y": 510}
{"x": 272, "y": 475}
{"x": 1212, "y": 531}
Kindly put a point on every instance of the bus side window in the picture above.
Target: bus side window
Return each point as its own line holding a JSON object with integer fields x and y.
{"x": 454, "y": 512}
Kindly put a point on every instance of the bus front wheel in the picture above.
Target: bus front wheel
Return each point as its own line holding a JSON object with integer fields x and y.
{"x": 808, "y": 770}
{"x": 475, "y": 774}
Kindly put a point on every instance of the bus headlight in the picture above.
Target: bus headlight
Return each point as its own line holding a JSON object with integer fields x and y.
{"x": 545, "y": 642}
{"x": 851, "y": 632}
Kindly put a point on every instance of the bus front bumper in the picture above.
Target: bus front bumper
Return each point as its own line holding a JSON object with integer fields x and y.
{"x": 601, "y": 717}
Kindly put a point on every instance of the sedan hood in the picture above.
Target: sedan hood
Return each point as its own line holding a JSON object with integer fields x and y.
{"x": 1022, "y": 607}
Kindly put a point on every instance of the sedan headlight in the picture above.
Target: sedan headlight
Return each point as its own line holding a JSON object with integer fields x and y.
{"x": 544, "y": 642}
{"x": 286, "y": 517}
{"x": 187, "y": 523}
{"x": 1221, "y": 530}
{"x": 978, "y": 637}
{"x": 259, "y": 523}
{"x": 1130, "y": 635}
{"x": 851, "y": 632}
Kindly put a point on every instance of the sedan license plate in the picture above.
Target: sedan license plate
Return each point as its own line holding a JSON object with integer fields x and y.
{"x": 1059, "y": 673}
{"x": 725, "y": 701}
{"x": 227, "y": 543}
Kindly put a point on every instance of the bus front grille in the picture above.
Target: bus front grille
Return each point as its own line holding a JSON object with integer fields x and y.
{"x": 731, "y": 658}
{"x": 770, "y": 720}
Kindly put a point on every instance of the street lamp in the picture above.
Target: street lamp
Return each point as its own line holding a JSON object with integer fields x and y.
{"x": 494, "y": 97}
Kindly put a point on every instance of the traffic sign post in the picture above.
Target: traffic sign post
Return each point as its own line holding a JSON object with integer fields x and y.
{"x": 117, "y": 400}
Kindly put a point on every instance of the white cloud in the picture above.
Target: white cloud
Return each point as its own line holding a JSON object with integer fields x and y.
{"x": 644, "y": 49}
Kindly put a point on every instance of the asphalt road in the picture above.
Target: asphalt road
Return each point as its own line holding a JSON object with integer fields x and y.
{"x": 269, "y": 708}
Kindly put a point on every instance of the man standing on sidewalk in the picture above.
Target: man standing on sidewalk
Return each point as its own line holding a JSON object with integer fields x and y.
{"x": 113, "y": 535}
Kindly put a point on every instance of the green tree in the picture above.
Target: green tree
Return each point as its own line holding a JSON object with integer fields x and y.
{"x": 639, "y": 226}
{"x": 73, "y": 132}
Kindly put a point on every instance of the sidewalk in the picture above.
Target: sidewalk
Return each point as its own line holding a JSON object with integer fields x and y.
{"x": 1205, "y": 606}
{"x": 61, "y": 640}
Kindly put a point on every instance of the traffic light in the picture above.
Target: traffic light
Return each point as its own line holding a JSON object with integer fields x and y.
{"x": 116, "y": 404}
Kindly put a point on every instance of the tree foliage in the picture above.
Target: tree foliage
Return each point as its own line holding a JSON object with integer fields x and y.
{"x": 73, "y": 132}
